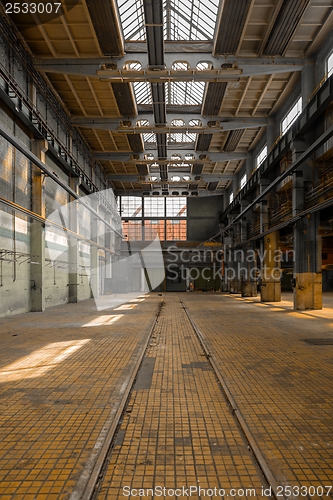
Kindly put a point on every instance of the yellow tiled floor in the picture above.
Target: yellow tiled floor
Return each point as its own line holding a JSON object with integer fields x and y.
{"x": 179, "y": 431}
{"x": 62, "y": 374}
{"x": 282, "y": 385}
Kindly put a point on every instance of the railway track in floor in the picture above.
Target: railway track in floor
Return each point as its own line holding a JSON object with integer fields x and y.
{"x": 91, "y": 484}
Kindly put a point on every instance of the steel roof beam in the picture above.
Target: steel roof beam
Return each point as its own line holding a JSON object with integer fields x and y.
{"x": 192, "y": 178}
{"x": 123, "y": 125}
{"x": 247, "y": 65}
{"x": 186, "y": 46}
{"x": 139, "y": 158}
{"x": 202, "y": 193}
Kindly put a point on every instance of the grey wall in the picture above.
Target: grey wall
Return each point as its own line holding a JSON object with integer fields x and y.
{"x": 203, "y": 217}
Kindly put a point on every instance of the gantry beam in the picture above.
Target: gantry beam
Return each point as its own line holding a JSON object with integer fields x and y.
{"x": 246, "y": 66}
{"x": 202, "y": 193}
{"x": 197, "y": 157}
{"x": 192, "y": 178}
{"x": 213, "y": 124}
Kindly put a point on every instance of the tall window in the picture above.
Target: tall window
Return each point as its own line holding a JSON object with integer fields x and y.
{"x": 330, "y": 64}
{"x": 261, "y": 157}
{"x": 291, "y": 116}
{"x": 243, "y": 181}
{"x": 231, "y": 197}
{"x": 158, "y": 216}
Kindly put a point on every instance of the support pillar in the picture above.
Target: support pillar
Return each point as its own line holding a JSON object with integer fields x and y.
{"x": 94, "y": 260}
{"x": 249, "y": 275}
{"x": 270, "y": 133}
{"x": 249, "y": 165}
{"x": 235, "y": 185}
{"x": 307, "y": 282}
{"x": 73, "y": 256}
{"x": 37, "y": 232}
{"x": 307, "y": 267}
{"x": 307, "y": 278}
{"x": 271, "y": 269}
{"x": 307, "y": 83}
{"x": 227, "y": 242}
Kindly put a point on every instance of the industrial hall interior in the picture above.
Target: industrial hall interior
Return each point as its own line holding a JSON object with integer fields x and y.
{"x": 166, "y": 249}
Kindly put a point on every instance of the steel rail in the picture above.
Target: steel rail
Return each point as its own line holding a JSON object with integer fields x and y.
{"x": 237, "y": 413}
{"x": 86, "y": 485}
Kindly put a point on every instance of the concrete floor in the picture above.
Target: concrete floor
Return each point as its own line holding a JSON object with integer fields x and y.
{"x": 63, "y": 373}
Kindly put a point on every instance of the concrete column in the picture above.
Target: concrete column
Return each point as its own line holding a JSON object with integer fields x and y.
{"x": 235, "y": 185}
{"x": 226, "y": 265}
{"x": 270, "y": 133}
{"x": 248, "y": 273}
{"x": 37, "y": 232}
{"x": 94, "y": 261}
{"x": 263, "y": 206}
{"x": 73, "y": 256}
{"x": 270, "y": 269}
{"x": 307, "y": 265}
{"x": 249, "y": 164}
{"x": 307, "y": 243}
{"x": 307, "y": 83}
{"x": 235, "y": 262}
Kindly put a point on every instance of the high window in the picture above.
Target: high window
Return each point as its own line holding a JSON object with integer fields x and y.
{"x": 143, "y": 219}
{"x": 329, "y": 63}
{"x": 243, "y": 181}
{"x": 261, "y": 157}
{"x": 291, "y": 116}
{"x": 231, "y": 197}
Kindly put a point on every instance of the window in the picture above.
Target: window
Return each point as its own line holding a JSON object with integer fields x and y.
{"x": 132, "y": 230}
{"x": 261, "y": 156}
{"x": 291, "y": 116}
{"x": 176, "y": 207}
{"x": 231, "y": 197}
{"x": 175, "y": 229}
{"x": 161, "y": 217}
{"x": 131, "y": 206}
{"x": 154, "y": 207}
{"x": 330, "y": 64}
{"x": 154, "y": 229}
{"x": 243, "y": 181}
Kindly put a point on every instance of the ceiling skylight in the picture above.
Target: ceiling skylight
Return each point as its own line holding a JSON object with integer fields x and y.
{"x": 183, "y": 19}
{"x": 132, "y": 19}
{"x": 190, "y": 19}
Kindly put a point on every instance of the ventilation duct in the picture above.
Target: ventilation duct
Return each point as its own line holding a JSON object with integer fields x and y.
{"x": 231, "y": 26}
{"x": 153, "y": 10}
{"x": 287, "y": 21}
{"x": 161, "y": 146}
{"x": 106, "y": 22}
{"x": 158, "y": 96}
